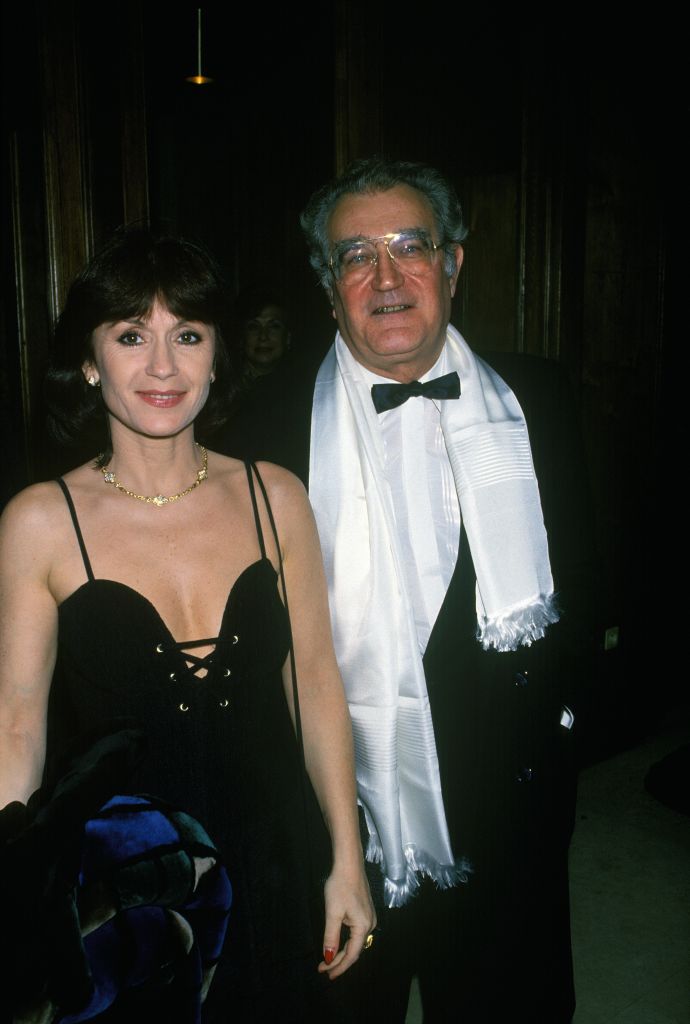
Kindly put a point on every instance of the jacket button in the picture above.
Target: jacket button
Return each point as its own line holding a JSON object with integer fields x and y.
{"x": 520, "y": 679}
{"x": 524, "y": 775}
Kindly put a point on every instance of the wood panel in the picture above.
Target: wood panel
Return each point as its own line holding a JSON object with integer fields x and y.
{"x": 66, "y": 171}
{"x": 75, "y": 160}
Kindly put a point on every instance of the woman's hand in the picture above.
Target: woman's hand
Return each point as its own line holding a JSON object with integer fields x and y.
{"x": 348, "y": 903}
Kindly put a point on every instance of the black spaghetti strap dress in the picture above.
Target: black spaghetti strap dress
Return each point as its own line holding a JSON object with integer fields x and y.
{"x": 220, "y": 746}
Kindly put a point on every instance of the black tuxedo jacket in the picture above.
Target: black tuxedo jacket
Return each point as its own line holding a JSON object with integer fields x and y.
{"x": 508, "y": 759}
{"x": 521, "y": 693}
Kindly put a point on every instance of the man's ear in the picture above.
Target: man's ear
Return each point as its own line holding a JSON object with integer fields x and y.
{"x": 458, "y": 254}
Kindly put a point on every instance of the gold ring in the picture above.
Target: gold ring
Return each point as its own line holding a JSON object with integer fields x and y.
{"x": 369, "y": 941}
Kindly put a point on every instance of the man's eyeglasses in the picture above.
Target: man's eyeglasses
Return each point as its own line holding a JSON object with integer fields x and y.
{"x": 354, "y": 258}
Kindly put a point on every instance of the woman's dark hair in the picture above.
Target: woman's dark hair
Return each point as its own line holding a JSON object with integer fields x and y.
{"x": 254, "y": 297}
{"x": 136, "y": 268}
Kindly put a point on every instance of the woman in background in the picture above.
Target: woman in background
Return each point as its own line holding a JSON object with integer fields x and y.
{"x": 264, "y": 333}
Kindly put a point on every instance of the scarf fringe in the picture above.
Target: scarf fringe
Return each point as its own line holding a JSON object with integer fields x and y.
{"x": 520, "y": 627}
{"x": 397, "y": 892}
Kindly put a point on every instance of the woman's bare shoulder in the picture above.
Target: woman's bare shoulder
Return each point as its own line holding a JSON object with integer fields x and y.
{"x": 286, "y": 492}
{"x": 33, "y": 505}
{"x": 224, "y": 463}
{"x": 278, "y": 478}
{"x": 42, "y": 507}
{"x": 289, "y": 500}
{"x": 32, "y": 526}
{"x": 281, "y": 484}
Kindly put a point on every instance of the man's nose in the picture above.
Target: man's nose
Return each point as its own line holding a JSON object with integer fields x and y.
{"x": 387, "y": 273}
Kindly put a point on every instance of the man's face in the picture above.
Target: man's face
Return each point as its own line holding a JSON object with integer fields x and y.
{"x": 393, "y": 321}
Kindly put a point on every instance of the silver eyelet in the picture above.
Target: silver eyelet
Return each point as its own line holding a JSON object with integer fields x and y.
{"x": 183, "y": 706}
{"x": 223, "y": 703}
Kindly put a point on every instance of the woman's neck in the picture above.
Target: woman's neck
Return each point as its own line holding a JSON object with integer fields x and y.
{"x": 152, "y": 466}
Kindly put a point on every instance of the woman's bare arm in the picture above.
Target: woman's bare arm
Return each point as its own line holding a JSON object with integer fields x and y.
{"x": 28, "y": 640}
{"x": 325, "y": 718}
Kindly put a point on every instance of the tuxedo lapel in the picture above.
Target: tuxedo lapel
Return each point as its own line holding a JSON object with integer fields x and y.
{"x": 456, "y": 623}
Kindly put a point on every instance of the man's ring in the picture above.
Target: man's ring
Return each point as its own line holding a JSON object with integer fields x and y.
{"x": 369, "y": 941}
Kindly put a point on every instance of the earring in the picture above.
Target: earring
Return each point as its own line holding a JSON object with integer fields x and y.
{"x": 213, "y": 378}
{"x": 92, "y": 381}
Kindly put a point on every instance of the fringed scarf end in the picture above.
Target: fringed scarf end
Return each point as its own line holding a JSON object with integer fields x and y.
{"x": 399, "y": 891}
{"x": 374, "y": 852}
{"x": 520, "y": 627}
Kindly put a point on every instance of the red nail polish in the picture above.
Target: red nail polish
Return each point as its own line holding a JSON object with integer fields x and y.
{"x": 328, "y": 954}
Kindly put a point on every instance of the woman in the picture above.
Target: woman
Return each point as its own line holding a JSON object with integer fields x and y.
{"x": 145, "y": 590}
{"x": 264, "y": 333}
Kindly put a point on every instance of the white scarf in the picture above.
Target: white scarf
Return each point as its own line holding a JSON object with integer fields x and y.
{"x": 373, "y": 624}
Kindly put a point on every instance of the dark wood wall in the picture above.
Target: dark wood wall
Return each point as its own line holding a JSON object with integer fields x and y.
{"x": 74, "y": 162}
{"x": 561, "y": 142}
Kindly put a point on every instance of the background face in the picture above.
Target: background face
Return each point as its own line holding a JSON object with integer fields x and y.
{"x": 266, "y": 338}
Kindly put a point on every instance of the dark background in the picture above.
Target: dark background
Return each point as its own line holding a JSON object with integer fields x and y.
{"x": 564, "y": 140}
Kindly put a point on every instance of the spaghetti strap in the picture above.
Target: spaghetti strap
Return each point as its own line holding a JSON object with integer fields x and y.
{"x": 251, "y": 469}
{"x": 77, "y": 528}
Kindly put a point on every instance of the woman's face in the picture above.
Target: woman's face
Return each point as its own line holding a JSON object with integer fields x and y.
{"x": 266, "y": 338}
{"x": 154, "y": 372}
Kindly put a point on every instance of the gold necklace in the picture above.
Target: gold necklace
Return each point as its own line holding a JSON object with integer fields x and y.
{"x": 159, "y": 499}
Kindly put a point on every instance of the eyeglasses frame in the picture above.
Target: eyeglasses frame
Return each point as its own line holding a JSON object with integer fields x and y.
{"x": 420, "y": 233}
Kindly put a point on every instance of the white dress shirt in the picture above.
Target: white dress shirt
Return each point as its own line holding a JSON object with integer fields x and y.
{"x": 427, "y": 510}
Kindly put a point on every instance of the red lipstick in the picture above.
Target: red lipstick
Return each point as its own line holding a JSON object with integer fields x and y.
{"x": 162, "y": 399}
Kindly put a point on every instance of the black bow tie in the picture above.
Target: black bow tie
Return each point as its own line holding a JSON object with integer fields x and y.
{"x": 389, "y": 396}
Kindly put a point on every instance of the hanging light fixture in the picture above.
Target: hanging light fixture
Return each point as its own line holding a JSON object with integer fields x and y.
{"x": 198, "y": 78}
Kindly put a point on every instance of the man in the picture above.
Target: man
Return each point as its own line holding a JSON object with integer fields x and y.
{"x": 457, "y": 576}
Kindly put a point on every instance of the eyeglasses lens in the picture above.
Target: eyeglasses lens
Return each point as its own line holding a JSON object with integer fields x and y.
{"x": 356, "y": 259}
